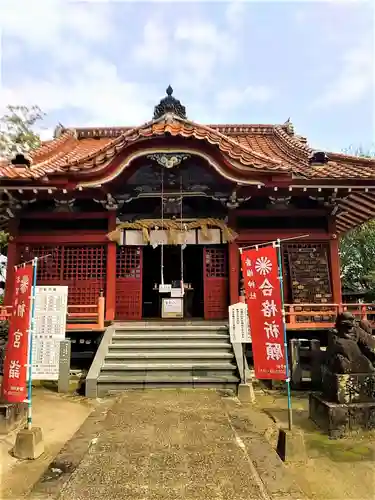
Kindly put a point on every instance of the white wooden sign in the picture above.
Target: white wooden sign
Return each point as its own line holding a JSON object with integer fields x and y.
{"x": 51, "y": 303}
{"x": 173, "y": 308}
{"x": 239, "y": 326}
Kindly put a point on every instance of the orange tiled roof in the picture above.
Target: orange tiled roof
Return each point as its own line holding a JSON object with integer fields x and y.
{"x": 272, "y": 148}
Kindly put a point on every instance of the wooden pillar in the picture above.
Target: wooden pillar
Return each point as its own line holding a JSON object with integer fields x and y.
{"x": 111, "y": 272}
{"x": 334, "y": 259}
{"x": 234, "y": 273}
{"x": 9, "y": 280}
{"x": 334, "y": 262}
{"x": 12, "y": 260}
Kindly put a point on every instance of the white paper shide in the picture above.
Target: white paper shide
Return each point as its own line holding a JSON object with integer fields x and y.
{"x": 51, "y": 303}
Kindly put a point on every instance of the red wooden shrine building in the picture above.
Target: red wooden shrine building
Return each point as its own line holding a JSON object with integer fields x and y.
{"x": 110, "y": 206}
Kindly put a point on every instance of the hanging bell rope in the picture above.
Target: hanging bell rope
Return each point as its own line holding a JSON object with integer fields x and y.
{"x": 162, "y": 225}
{"x": 181, "y": 235}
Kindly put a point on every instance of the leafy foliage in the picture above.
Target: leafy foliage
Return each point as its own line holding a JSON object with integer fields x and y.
{"x": 357, "y": 249}
{"x": 357, "y": 252}
{"x": 17, "y": 134}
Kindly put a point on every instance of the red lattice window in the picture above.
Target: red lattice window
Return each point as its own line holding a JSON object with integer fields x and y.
{"x": 216, "y": 294}
{"x": 129, "y": 262}
{"x": 85, "y": 263}
{"x": 129, "y": 283}
{"x": 49, "y": 261}
{"x": 81, "y": 268}
{"x": 216, "y": 263}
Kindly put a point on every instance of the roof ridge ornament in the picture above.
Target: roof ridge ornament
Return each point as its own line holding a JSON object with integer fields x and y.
{"x": 169, "y": 104}
{"x": 289, "y": 127}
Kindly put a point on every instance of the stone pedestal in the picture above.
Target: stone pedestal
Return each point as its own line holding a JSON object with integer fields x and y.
{"x": 347, "y": 403}
{"x": 29, "y": 444}
{"x": 349, "y": 388}
{"x": 245, "y": 393}
{"x": 11, "y": 416}
{"x": 338, "y": 419}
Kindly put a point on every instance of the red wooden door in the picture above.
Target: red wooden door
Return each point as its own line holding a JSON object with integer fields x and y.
{"x": 129, "y": 283}
{"x": 215, "y": 273}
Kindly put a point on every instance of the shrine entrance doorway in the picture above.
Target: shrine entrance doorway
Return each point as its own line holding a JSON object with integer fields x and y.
{"x": 192, "y": 262}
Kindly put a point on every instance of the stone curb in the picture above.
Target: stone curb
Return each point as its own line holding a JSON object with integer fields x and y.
{"x": 250, "y": 424}
{"x": 60, "y": 470}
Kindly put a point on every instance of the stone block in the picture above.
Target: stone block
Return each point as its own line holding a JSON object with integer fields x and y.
{"x": 291, "y": 446}
{"x": 11, "y": 416}
{"x": 29, "y": 444}
{"x": 245, "y": 393}
{"x": 349, "y": 388}
{"x": 339, "y": 420}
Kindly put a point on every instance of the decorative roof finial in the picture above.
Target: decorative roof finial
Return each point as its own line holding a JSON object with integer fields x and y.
{"x": 288, "y": 126}
{"x": 169, "y": 104}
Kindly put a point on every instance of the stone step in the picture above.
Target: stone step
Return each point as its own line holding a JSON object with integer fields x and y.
{"x": 172, "y": 346}
{"x": 171, "y": 378}
{"x": 172, "y": 357}
{"x": 165, "y": 373}
{"x": 170, "y": 337}
{"x": 109, "y": 387}
{"x": 172, "y": 328}
{"x": 177, "y": 365}
{"x": 170, "y": 322}
{"x": 160, "y": 381}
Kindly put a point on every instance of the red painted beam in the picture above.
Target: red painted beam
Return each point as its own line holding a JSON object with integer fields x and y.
{"x": 59, "y": 238}
{"x": 258, "y": 236}
{"x": 65, "y": 215}
{"x": 280, "y": 213}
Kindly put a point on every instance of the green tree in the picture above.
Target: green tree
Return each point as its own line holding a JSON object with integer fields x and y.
{"x": 17, "y": 130}
{"x": 17, "y": 135}
{"x": 357, "y": 248}
{"x": 357, "y": 252}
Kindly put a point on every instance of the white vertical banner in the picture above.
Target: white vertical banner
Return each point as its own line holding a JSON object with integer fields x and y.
{"x": 239, "y": 326}
{"x": 51, "y": 305}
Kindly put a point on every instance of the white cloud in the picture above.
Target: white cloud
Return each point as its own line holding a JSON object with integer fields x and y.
{"x": 354, "y": 79}
{"x": 155, "y": 46}
{"x": 67, "y": 33}
{"x": 234, "y": 13}
{"x": 232, "y": 98}
{"x": 48, "y": 24}
{"x": 97, "y": 91}
{"x": 193, "y": 49}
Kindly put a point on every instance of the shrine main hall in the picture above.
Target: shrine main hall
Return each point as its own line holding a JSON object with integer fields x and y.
{"x": 128, "y": 212}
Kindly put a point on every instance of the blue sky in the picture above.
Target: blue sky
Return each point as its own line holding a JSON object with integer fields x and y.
{"x": 108, "y": 63}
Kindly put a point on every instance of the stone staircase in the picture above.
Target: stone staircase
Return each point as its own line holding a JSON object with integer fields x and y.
{"x": 140, "y": 355}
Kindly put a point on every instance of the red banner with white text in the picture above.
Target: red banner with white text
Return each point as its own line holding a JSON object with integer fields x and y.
{"x": 15, "y": 370}
{"x": 263, "y": 297}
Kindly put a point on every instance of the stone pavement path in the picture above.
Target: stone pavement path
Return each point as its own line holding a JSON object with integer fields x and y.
{"x": 166, "y": 445}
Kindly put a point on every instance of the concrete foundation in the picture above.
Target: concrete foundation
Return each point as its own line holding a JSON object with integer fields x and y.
{"x": 245, "y": 393}
{"x": 29, "y": 444}
{"x": 291, "y": 446}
